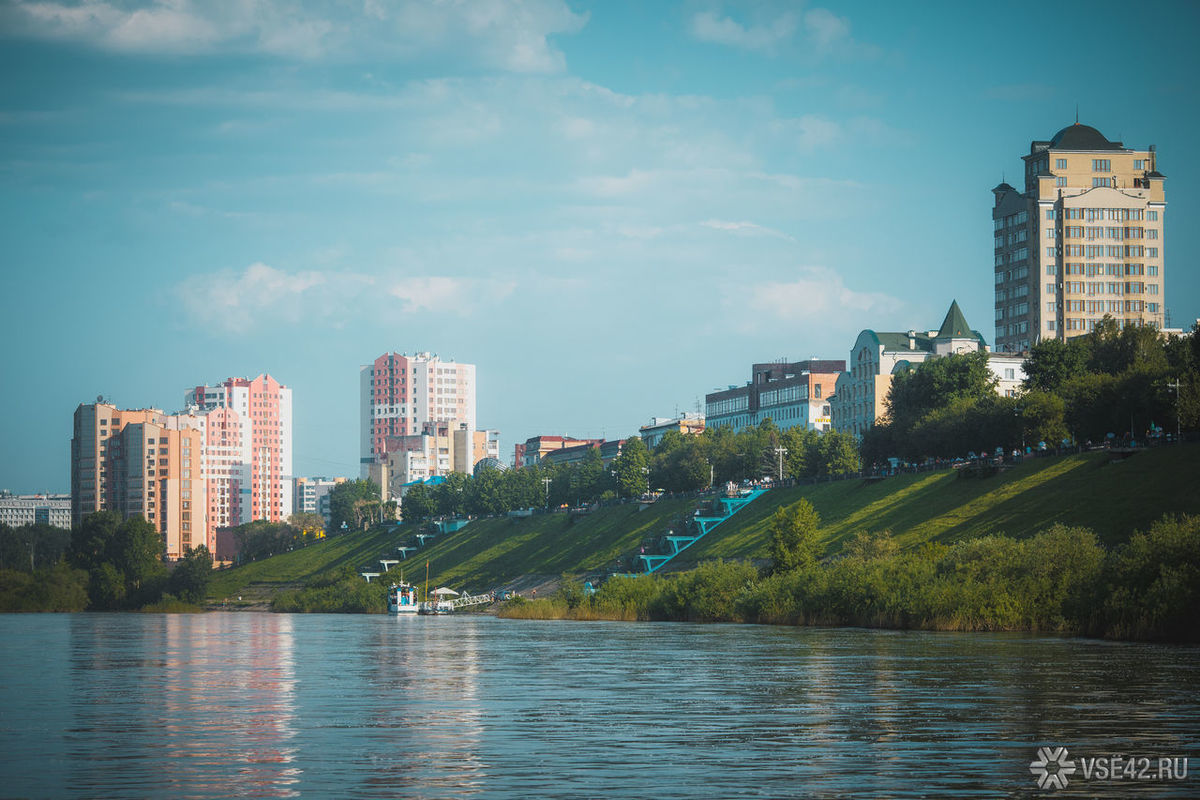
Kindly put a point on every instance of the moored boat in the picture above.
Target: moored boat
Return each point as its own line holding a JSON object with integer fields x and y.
{"x": 402, "y": 599}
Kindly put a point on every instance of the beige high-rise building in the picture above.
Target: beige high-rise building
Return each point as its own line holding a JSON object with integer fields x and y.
{"x": 1084, "y": 240}
{"x": 141, "y": 462}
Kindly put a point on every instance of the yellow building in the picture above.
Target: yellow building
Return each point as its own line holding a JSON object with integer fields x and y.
{"x": 141, "y": 462}
{"x": 1084, "y": 240}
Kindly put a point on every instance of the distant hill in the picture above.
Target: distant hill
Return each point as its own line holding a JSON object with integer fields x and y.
{"x": 1113, "y": 499}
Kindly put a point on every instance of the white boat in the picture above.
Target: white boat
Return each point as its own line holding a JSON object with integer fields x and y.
{"x": 442, "y": 602}
{"x": 402, "y": 599}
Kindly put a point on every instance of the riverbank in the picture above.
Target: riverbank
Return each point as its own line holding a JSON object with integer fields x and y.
{"x": 1061, "y": 581}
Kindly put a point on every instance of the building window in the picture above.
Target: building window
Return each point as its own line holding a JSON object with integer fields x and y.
{"x": 1060, "y": 163}
{"x": 1060, "y": 181}
{"x": 1139, "y": 163}
{"x": 1101, "y": 165}
{"x": 1098, "y": 182}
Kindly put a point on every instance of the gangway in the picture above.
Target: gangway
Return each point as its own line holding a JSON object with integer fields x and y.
{"x": 369, "y": 575}
{"x": 388, "y": 563}
{"x": 471, "y": 600}
{"x": 404, "y": 551}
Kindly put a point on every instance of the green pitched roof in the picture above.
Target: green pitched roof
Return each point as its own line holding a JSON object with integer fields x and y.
{"x": 955, "y": 326}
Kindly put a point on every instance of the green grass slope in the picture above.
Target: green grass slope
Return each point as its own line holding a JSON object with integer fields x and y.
{"x": 491, "y": 552}
{"x": 258, "y": 580}
{"x": 478, "y": 557}
{"x": 1113, "y": 499}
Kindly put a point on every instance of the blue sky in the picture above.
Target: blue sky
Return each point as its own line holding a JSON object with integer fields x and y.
{"x": 611, "y": 208}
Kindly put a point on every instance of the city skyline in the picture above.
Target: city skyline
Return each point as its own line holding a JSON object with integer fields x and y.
{"x": 610, "y": 209}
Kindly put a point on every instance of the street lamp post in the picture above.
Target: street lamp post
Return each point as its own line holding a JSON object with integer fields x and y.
{"x": 1175, "y": 385}
{"x": 779, "y": 451}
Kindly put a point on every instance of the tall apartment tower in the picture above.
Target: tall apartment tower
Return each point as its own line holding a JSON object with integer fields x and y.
{"x": 141, "y": 462}
{"x": 1082, "y": 241}
{"x": 248, "y": 437}
{"x": 401, "y": 394}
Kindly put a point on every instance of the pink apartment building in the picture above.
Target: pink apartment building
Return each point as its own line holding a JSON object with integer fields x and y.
{"x": 402, "y": 394}
{"x": 247, "y": 424}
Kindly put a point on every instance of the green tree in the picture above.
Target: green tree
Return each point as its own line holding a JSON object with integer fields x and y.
{"x": 1043, "y": 418}
{"x": 342, "y": 503}
{"x": 417, "y": 504}
{"x": 795, "y": 541}
{"x": 837, "y": 454}
{"x": 90, "y": 538}
{"x": 802, "y": 455}
{"x": 1053, "y": 362}
{"x": 936, "y": 383}
{"x": 191, "y": 576}
{"x": 632, "y": 467}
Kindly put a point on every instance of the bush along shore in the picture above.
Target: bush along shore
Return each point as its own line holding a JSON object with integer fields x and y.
{"x": 1062, "y": 580}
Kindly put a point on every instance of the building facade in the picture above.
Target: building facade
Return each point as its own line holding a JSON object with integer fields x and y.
{"x": 311, "y": 495}
{"x": 860, "y": 395}
{"x": 248, "y": 429}
{"x": 791, "y": 394}
{"x": 401, "y": 394}
{"x": 141, "y": 462}
{"x": 610, "y": 449}
{"x": 1084, "y": 240}
{"x": 535, "y": 448}
{"x": 688, "y": 424}
{"x": 36, "y": 509}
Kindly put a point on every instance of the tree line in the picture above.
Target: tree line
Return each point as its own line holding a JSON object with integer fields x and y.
{"x": 1114, "y": 383}
{"x": 677, "y": 463}
{"x": 104, "y": 563}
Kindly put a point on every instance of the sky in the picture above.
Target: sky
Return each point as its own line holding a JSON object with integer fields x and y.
{"x": 611, "y": 208}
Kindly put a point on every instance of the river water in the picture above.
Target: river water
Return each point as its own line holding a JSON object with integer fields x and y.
{"x": 272, "y": 705}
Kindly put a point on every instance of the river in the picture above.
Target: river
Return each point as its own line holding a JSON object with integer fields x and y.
{"x": 273, "y": 705}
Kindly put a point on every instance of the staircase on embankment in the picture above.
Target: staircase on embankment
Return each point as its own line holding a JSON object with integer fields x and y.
{"x": 699, "y": 526}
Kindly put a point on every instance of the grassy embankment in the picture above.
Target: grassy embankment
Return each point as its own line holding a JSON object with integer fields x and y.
{"x": 481, "y": 556}
{"x": 1111, "y": 499}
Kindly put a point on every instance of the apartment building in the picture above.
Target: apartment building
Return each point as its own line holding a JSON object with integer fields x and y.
{"x": 248, "y": 439}
{"x": 35, "y": 509}
{"x": 141, "y": 462}
{"x": 401, "y": 394}
{"x": 1083, "y": 240}
{"x": 791, "y": 394}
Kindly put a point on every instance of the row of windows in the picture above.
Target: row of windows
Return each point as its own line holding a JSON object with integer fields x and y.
{"x": 1092, "y": 270}
{"x": 1101, "y": 251}
{"x": 1104, "y": 307}
{"x": 1097, "y": 232}
{"x": 1013, "y": 293}
{"x": 1012, "y": 275}
{"x": 1101, "y": 287}
{"x": 1019, "y": 218}
{"x": 1104, "y": 214}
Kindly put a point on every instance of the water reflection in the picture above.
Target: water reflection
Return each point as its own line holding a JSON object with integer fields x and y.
{"x": 267, "y": 705}
{"x": 204, "y": 702}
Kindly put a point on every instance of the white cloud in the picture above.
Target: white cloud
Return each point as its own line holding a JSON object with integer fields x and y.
{"x": 234, "y": 302}
{"x": 745, "y": 229}
{"x": 707, "y": 26}
{"x": 440, "y": 294}
{"x": 511, "y": 35}
{"x": 820, "y": 28}
{"x": 825, "y": 28}
{"x": 817, "y": 296}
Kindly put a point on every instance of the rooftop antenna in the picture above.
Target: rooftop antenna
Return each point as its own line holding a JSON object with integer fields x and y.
{"x": 1077, "y": 113}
